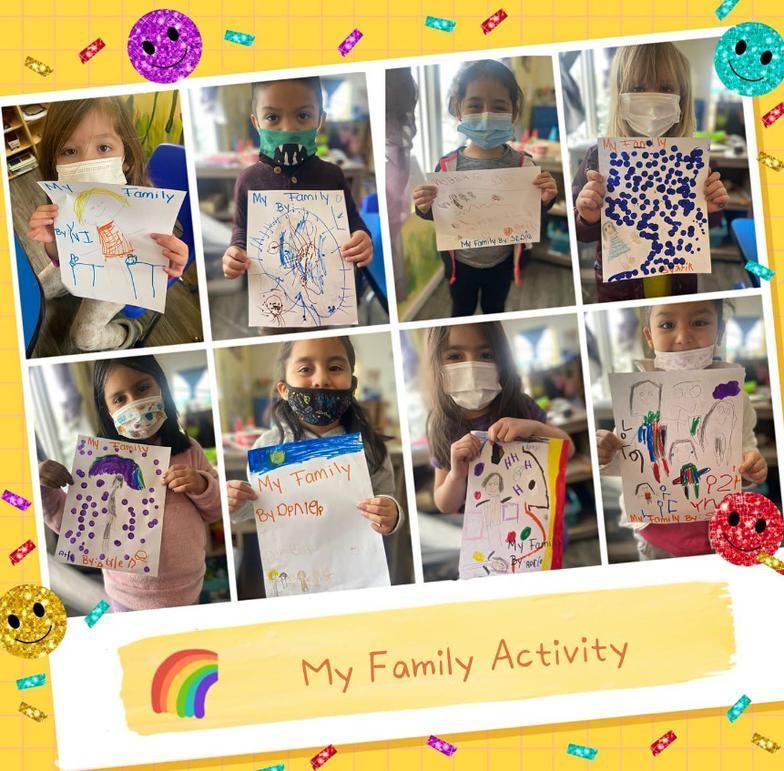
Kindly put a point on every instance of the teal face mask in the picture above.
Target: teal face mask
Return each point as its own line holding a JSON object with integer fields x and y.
{"x": 288, "y": 148}
{"x": 488, "y": 129}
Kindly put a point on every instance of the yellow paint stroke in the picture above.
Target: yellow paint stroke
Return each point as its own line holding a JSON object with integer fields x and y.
{"x": 264, "y": 659}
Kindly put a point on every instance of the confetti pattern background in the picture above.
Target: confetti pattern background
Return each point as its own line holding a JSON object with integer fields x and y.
{"x": 307, "y": 32}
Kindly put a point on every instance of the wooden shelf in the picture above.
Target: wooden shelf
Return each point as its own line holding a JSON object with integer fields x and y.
{"x": 12, "y": 127}
{"x": 28, "y": 139}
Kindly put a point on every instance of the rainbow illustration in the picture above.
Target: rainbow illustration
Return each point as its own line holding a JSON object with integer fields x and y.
{"x": 181, "y": 682}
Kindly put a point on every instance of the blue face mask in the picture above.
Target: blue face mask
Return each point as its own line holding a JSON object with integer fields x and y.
{"x": 488, "y": 129}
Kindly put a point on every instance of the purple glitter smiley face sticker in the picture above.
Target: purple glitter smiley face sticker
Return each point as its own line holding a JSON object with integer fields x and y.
{"x": 164, "y": 46}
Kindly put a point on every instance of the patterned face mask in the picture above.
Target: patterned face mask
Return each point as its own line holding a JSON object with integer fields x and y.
{"x": 288, "y": 148}
{"x": 319, "y": 406}
{"x": 140, "y": 419}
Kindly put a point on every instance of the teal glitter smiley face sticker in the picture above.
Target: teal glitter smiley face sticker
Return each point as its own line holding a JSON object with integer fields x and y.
{"x": 749, "y": 58}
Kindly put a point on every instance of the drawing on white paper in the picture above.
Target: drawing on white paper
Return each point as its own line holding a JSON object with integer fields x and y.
{"x": 682, "y": 445}
{"x": 654, "y": 218}
{"x": 103, "y": 236}
{"x": 297, "y": 276}
{"x": 475, "y": 209}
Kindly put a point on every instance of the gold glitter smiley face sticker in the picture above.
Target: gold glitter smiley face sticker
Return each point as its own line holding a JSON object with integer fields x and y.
{"x": 32, "y": 621}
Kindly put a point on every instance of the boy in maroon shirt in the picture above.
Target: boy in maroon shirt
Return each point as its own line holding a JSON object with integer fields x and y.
{"x": 288, "y": 114}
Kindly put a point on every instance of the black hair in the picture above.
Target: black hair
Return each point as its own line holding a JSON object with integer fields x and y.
{"x": 170, "y": 434}
{"x": 313, "y": 83}
{"x": 354, "y": 419}
{"x": 485, "y": 69}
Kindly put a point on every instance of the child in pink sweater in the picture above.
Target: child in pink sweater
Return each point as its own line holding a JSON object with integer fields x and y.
{"x": 136, "y": 388}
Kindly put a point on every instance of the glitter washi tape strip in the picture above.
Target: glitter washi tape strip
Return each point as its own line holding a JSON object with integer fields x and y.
{"x": 766, "y": 744}
{"x": 770, "y": 161}
{"x": 87, "y": 53}
{"x": 351, "y": 40}
{"x": 17, "y": 500}
{"x": 32, "y": 712}
{"x": 94, "y": 616}
{"x": 760, "y": 270}
{"x": 33, "y": 681}
{"x": 770, "y": 561}
{"x": 317, "y": 761}
{"x": 580, "y": 751}
{"x": 241, "y": 38}
{"x": 663, "y": 742}
{"x": 491, "y": 22}
{"x": 725, "y": 8}
{"x": 279, "y": 767}
{"x": 736, "y": 710}
{"x": 20, "y": 552}
{"x": 772, "y": 115}
{"x": 443, "y": 25}
{"x": 37, "y": 66}
{"x": 442, "y": 746}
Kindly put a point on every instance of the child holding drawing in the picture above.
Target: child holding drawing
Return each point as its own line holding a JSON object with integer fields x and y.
{"x": 683, "y": 336}
{"x": 314, "y": 397}
{"x": 651, "y": 96}
{"x": 288, "y": 115}
{"x": 94, "y": 140}
{"x": 486, "y": 98}
{"x": 134, "y": 404}
{"x": 475, "y": 386}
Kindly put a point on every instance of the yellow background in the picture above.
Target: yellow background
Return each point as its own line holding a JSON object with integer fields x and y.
{"x": 306, "y": 32}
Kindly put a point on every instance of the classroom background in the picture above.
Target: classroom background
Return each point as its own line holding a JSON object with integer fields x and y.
{"x": 245, "y": 380}
{"x": 615, "y": 342}
{"x": 64, "y": 407}
{"x": 547, "y": 354}
{"x": 46, "y": 324}
{"x": 226, "y": 143}
{"x": 425, "y": 131}
{"x": 719, "y": 114}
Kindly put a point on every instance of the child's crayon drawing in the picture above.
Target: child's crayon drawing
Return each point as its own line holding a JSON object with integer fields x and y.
{"x": 312, "y": 537}
{"x": 682, "y": 441}
{"x": 474, "y": 209}
{"x": 103, "y": 240}
{"x": 297, "y": 276}
{"x": 514, "y": 508}
{"x": 654, "y": 219}
{"x": 113, "y": 513}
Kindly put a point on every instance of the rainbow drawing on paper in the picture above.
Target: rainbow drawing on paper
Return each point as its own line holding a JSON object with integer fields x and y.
{"x": 181, "y": 683}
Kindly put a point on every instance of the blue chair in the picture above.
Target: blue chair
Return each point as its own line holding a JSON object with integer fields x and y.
{"x": 375, "y": 273}
{"x": 31, "y": 297}
{"x": 167, "y": 168}
{"x": 743, "y": 232}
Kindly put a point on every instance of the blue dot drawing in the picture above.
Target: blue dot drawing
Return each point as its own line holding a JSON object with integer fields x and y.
{"x": 654, "y": 220}
{"x": 297, "y": 276}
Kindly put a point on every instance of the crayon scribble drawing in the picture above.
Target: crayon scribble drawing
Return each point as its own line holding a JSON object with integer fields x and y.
{"x": 312, "y": 537}
{"x": 514, "y": 508}
{"x": 474, "y": 209}
{"x": 682, "y": 441}
{"x": 654, "y": 219}
{"x": 113, "y": 512}
{"x": 297, "y": 276}
{"x": 103, "y": 240}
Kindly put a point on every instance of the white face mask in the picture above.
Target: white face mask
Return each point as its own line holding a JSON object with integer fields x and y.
{"x": 472, "y": 384}
{"x": 109, "y": 171}
{"x": 652, "y": 115}
{"x": 698, "y": 358}
{"x": 140, "y": 419}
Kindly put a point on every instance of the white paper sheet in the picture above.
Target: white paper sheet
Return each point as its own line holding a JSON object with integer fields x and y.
{"x": 513, "y": 497}
{"x": 297, "y": 277}
{"x": 113, "y": 514}
{"x": 312, "y": 537}
{"x": 492, "y": 207}
{"x": 655, "y": 217}
{"x": 683, "y": 432}
{"x": 103, "y": 240}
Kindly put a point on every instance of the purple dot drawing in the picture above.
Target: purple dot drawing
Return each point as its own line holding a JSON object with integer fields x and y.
{"x": 731, "y": 388}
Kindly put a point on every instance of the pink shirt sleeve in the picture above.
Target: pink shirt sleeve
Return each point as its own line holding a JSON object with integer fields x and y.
{"x": 208, "y": 503}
